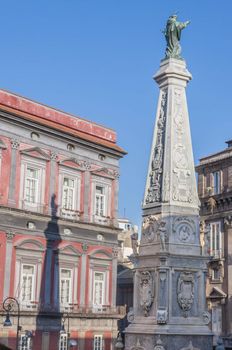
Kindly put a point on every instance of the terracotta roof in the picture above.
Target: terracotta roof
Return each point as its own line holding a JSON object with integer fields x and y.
{"x": 58, "y": 120}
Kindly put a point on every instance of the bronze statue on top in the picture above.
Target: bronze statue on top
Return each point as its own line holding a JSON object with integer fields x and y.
{"x": 172, "y": 34}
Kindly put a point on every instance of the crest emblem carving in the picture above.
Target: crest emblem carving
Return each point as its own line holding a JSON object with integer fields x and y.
{"x": 185, "y": 229}
{"x": 185, "y": 291}
{"x": 150, "y": 228}
{"x": 146, "y": 291}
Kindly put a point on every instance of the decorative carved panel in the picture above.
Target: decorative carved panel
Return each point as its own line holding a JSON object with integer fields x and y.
{"x": 185, "y": 291}
{"x": 190, "y": 347}
{"x": 146, "y": 291}
{"x": 154, "y": 190}
{"x": 185, "y": 229}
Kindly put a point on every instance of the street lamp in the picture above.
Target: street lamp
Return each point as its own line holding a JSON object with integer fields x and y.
{"x": 9, "y": 305}
{"x": 70, "y": 342}
{"x": 119, "y": 343}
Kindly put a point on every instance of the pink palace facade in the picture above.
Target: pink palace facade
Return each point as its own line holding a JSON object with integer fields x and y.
{"x": 58, "y": 227}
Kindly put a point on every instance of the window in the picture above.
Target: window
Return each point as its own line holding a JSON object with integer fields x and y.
{"x": 63, "y": 342}
{"x": 216, "y": 182}
{"x": 98, "y": 342}
{"x": 70, "y": 147}
{"x": 31, "y": 185}
{"x": 65, "y": 286}
{"x": 100, "y": 201}
{"x": 27, "y": 283}
{"x": 216, "y": 274}
{"x": 68, "y": 193}
{"x": 34, "y": 136}
{"x": 25, "y": 342}
{"x": 215, "y": 239}
{"x": 99, "y": 288}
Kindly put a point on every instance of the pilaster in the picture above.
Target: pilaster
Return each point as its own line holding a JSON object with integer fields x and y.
{"x": 12, "y": 185}
{"x": 9, "y": 249}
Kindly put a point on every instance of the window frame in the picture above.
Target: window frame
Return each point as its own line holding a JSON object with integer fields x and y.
{"x": 100, "y": 261}
{"x": 101, "y": 198}
{"x": 216, "y": 239}
{"x": 40, "y": 166}
{"x": 76, "y": 176}
{"x": 217, "y": 188}
{"x": 68, "y": 258}
{"x": 103, "y": 283}
{"x": 32, "y": 299}
{"x": 29, "y": 256}
{"x": 28, "y": 345}
{"x": 70, "y": 287}
{"x": 97, "y": 346}
{"x": 65, "y": 345}
{"x": 106, "y": 183}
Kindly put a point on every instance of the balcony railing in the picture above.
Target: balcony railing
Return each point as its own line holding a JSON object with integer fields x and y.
{"x": 70, "y": 214}
{"x": 33, "y": 207}
{"x": 102, "y": 220}
{"x": 36, "y": 307}
{"x": 216, "y": 254}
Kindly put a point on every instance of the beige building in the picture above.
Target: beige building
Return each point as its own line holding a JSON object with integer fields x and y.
{"x": 215, "y": 193}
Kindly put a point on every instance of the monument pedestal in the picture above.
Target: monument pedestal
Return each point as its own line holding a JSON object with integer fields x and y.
{"x": 170, "y": 310}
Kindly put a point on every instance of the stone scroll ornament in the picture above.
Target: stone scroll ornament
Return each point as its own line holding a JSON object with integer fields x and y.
{"x": 154, "y": 190}
{"x": 146, "y": 291}
{"x": 185, "y": 291}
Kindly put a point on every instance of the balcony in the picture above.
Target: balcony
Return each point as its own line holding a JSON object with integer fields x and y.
{"x": 102, "y": 220}
{"x": 33, "y": 207}
{"x": 74, "y": 309}
{"x": 216, "y": 254}
{"x": 216, "y": 204}
{"x": 68, "y": 214}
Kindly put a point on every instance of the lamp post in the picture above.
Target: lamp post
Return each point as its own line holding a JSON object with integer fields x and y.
{"x": 70, "y": 342}
{"x": 119, "y": 343}
{"x": 8, "y": 305}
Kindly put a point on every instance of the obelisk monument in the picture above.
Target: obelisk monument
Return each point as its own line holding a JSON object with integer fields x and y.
{"x": 170, "y": 311}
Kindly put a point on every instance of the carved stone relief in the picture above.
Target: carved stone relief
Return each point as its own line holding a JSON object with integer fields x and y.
{"x": 163, "y": 234}
{"x": 15, "y": 143}
{"x": 130, "y": 316}
{"x": 185, "y": 291}
{"x": 53, "y": 156}
{"x": 182, "y": 190}
{"x": 162, "y": 316}
{"x": 150, "y": 228}
{"x": 154, "y": 190}
{"x": 138, "y": 345}
{"x": 206, "y": 317}
{"x": 10, "y": 235}
{"x": 162, "y": 288}
{"x": 166, "y": 190}
{"x": 146, "y": 291}
{"x": 185, "y": 229}
{"x": 205, "y": 237}
{"x": 190, "y": 347}
{"x": 159, "y": 344}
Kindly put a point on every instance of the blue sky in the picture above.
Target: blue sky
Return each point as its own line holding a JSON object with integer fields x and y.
{"x": 96, "y": 59}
